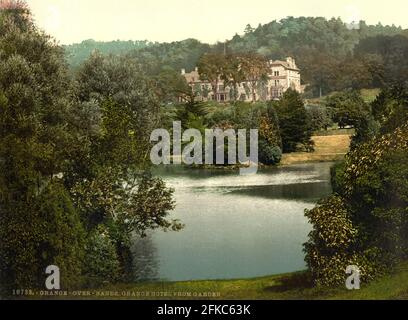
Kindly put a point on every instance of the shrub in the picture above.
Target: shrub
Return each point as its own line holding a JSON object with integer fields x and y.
{"x": 366, "y": 224}
{"x": 45, "y": 232}
{"x": 102, "y": 261}
{"x": 269, "y": 154}
{"x": 332, "y": 245}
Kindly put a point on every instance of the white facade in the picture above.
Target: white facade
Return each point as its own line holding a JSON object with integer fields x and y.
{"x": 283, "y": 75}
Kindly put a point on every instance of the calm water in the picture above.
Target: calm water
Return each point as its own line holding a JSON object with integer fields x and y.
{"x": 236, "y": 226}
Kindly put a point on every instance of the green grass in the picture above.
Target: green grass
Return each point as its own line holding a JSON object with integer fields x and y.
{"x": 368, "y": 95}
{"x": 281, "y": 287}
{"x": 334, "y": 132}
{"x": 327, "y": 148}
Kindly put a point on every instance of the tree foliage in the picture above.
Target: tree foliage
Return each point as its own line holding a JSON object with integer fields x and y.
{"x": 332, "y": 55}
{"x": 39, "y": 223}
{"x": 320, "y": 117}
{"x": 73, "y": 158}
{"x": 365, "y": 223}
{"x": 116, "y": 189}
{"x": 295, "y": 128}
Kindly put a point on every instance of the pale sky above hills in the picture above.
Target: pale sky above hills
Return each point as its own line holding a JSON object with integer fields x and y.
{"x": 206, "y": 20}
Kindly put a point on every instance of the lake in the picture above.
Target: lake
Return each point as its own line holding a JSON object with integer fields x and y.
{"x": 235, "y": 226}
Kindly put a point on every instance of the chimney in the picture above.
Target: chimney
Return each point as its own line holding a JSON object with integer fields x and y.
{"x": 196, "y": 69}
{"x": 183, "y": 72}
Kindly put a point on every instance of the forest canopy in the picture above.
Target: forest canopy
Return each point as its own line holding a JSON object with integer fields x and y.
{"x": 332, "y": 54}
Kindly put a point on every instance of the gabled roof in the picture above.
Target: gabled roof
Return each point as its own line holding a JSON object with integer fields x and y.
{"x": 284, "y": 64}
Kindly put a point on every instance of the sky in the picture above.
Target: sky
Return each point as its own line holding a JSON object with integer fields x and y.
{"x": 71, "y": 21}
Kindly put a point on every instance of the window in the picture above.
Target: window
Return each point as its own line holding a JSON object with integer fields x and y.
{"x": 276, "y": 73}
{"x": 274, "y": 93}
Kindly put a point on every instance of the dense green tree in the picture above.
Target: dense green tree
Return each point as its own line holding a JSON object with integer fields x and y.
{"x": 102, "y": 264}
{"x": 320, "y": 117}
{"x": 270, "y": 142}
{"x": 255, "y": 70}
{"x": 74, "y": 157}
{"x": 190, "y": 111}
{"x": 176, "y": 55}
{"x": 269, "y": 127}
{"x": 39, "y": 224}
{"x": 390, "y": 108}
{"x": 295, "y": 128}
{"x": 391, "y": 51}
{"x": 365, "y": 223}
{"x": 171, "y": 86}
{"x": 79, "y": 52}
{"x": 116, "y": 190}
{"x": 212, "y": 68}
{"x": 350, "y": 109}
{"x": 371, "y": 231}
{"x": 233, "y": 75}
{"x": 126, "y": 97}
{"x": 241, "y": 115}
{"x": 347, "y": 107}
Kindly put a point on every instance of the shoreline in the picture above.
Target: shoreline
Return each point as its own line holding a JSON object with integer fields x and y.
{"x": 287, "y": 286}
{"x": 328, "y": 148}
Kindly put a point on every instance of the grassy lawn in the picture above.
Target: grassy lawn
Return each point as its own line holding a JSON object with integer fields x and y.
{"x": 369, "y": 95}
{"x": 281, "y": 287}
{"x": 330, "y": 145}
{"x": 327, "y": 148}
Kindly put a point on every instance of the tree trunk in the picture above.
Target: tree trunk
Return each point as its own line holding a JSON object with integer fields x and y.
{"x": 215, "y": 90}
{"x": 235, "y": 97}
{"x": 253, "y": 92}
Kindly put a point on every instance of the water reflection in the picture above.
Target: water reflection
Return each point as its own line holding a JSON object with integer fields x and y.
{"x": 236, "y": 226}
{"x": 145, "y": 262}
{"x": 311, "y": 193}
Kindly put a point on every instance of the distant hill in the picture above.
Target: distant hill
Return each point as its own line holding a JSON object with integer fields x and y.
{"x": 79, "y": 52}
{"x": 332, "y": 54}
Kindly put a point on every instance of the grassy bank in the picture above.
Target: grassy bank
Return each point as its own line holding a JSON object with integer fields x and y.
{"x": 327, "y": 148}
{"x": 280, "y": 287}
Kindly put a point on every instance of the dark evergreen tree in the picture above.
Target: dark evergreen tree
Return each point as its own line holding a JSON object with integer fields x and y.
{"x": 39, "y": 225}
{"x": 295, "y": 128}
